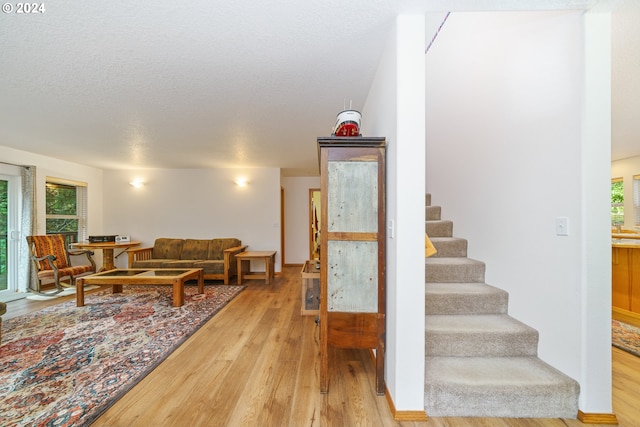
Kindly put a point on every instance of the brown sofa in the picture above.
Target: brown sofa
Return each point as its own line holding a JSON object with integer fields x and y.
{"x": 217, "y": 257}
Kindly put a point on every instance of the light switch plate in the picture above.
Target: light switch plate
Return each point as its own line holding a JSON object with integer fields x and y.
{"x": 562, "y": 226}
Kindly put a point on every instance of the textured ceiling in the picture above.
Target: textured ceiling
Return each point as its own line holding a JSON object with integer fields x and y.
{"x": 120, "y": 85}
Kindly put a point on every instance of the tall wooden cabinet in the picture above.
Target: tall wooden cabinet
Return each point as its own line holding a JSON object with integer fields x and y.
{"x": 352, "y": 250}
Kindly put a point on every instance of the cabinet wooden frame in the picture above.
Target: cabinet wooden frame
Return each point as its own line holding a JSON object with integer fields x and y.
{"x": 356, "y": 324}
{"x": 625, "y": 282}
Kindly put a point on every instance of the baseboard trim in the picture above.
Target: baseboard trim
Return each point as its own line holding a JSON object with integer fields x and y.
{"x": 403, "y": 415}
{"x": 626, "y": 316}
{"x": 597, "y": 418}
{"x": 399, "y": 415}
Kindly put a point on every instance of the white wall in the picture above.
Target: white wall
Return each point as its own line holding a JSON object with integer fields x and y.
{"x": 626, "y": 169}
{"x": 506, "y": 157}
{"x": 49, "y": 166}
{"x": 595, "y": 290}
{"x": 195, "y": 203}
{"x": 296, "y": 217}
{"x": 395, "y": 109}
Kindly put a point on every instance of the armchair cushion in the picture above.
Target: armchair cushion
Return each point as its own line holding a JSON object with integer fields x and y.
{"x": 67, "y": 271}
{"x": 50, "y": 245}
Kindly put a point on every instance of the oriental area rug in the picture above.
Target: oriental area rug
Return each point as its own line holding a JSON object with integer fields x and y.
{"x": 625, "y": 337}
{"x": 65, "y": 365}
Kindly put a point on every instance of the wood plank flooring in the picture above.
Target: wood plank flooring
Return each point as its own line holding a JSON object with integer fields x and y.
{"x": 256, "y": 363}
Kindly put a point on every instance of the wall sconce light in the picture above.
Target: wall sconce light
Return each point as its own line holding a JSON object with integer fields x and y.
{"x": 241, "y": 182}
{"x": 137, "y": 183}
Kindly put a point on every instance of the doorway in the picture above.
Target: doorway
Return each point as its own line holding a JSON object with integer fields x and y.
{"x": 314, "y": 223}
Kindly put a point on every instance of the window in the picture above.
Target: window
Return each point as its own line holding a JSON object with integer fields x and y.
{"x": 66, "y": 204}
{"x": 636, "y": 198}
{"x": 617, "y": 201}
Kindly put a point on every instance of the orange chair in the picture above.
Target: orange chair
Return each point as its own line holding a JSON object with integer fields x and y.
{"x": 52, "y": 262}
{"x": 3, "y": 310}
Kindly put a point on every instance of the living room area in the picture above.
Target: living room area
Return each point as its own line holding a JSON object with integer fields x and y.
{"x": 190, "y": 144}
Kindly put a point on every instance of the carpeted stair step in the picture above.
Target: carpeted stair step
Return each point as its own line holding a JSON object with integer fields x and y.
{"x": 453, "y": 269}
{"x": 465, "y": 298}
{"x": 433, "y": 213}
{"x": 479, "y": 335}
{"x": 449, "y": 246}
{"x": 439, "y": 228}
{"x": 518, "y": 387}
{"x": 427, "y": 199}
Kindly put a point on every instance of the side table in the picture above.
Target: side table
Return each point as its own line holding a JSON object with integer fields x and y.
{"x": 269, "y": 258}
{"x": 108, "y": 260}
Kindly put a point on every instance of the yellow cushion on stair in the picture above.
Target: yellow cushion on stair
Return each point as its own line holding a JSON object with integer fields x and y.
{"x": 429, "y": 249}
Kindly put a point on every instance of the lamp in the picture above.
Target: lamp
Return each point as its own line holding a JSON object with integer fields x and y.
{"x": 241, "y": 182}
{"x": 137, "y": 183}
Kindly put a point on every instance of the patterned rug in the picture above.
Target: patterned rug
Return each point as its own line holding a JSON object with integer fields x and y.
{"x": 65, "y": 365}
{"x": 64, "y": 293}
{"x": 625, "y": 337}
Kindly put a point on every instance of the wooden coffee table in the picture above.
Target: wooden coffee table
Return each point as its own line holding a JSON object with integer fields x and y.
{"x": 269, "y": 258}
{"x": 143, "y": 276}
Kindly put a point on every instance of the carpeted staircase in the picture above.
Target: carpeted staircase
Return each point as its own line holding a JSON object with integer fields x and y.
{"x": 479, "y": 361}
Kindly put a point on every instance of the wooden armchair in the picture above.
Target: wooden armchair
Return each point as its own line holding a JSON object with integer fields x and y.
{"x": 3, "y": 310}
{"x": 52, "y": 262}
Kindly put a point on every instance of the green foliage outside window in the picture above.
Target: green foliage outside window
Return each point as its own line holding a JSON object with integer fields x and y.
{"x": 617, "y": 202}
{"x": 62, "y": 210}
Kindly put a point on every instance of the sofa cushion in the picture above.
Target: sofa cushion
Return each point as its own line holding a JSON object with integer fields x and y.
{"x": 150, "y": 263}
{"x": 195, "y": 249}
{"x": 210, "y": 266}
{"x": 180, "y": 263}
{"x": 164, "y": 248}
{"x": 217, "y": 247}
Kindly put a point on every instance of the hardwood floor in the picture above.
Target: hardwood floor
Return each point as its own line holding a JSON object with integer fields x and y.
{"x": 256, "y": 364}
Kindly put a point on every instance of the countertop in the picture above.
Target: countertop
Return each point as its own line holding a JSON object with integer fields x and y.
{"x": 630, "y": 243}
{"x": 625, "y": 236}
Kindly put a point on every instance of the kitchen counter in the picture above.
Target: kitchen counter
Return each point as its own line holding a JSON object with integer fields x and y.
{"x": 625, "y": 236}
{"x": 625, "y": 243}
{"x": 625, "y": 275}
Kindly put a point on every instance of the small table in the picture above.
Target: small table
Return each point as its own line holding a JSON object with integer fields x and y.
{"x": 269, "y": 258}
{"x": 143, "y": 276}
{"x": 107, "y": 251}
